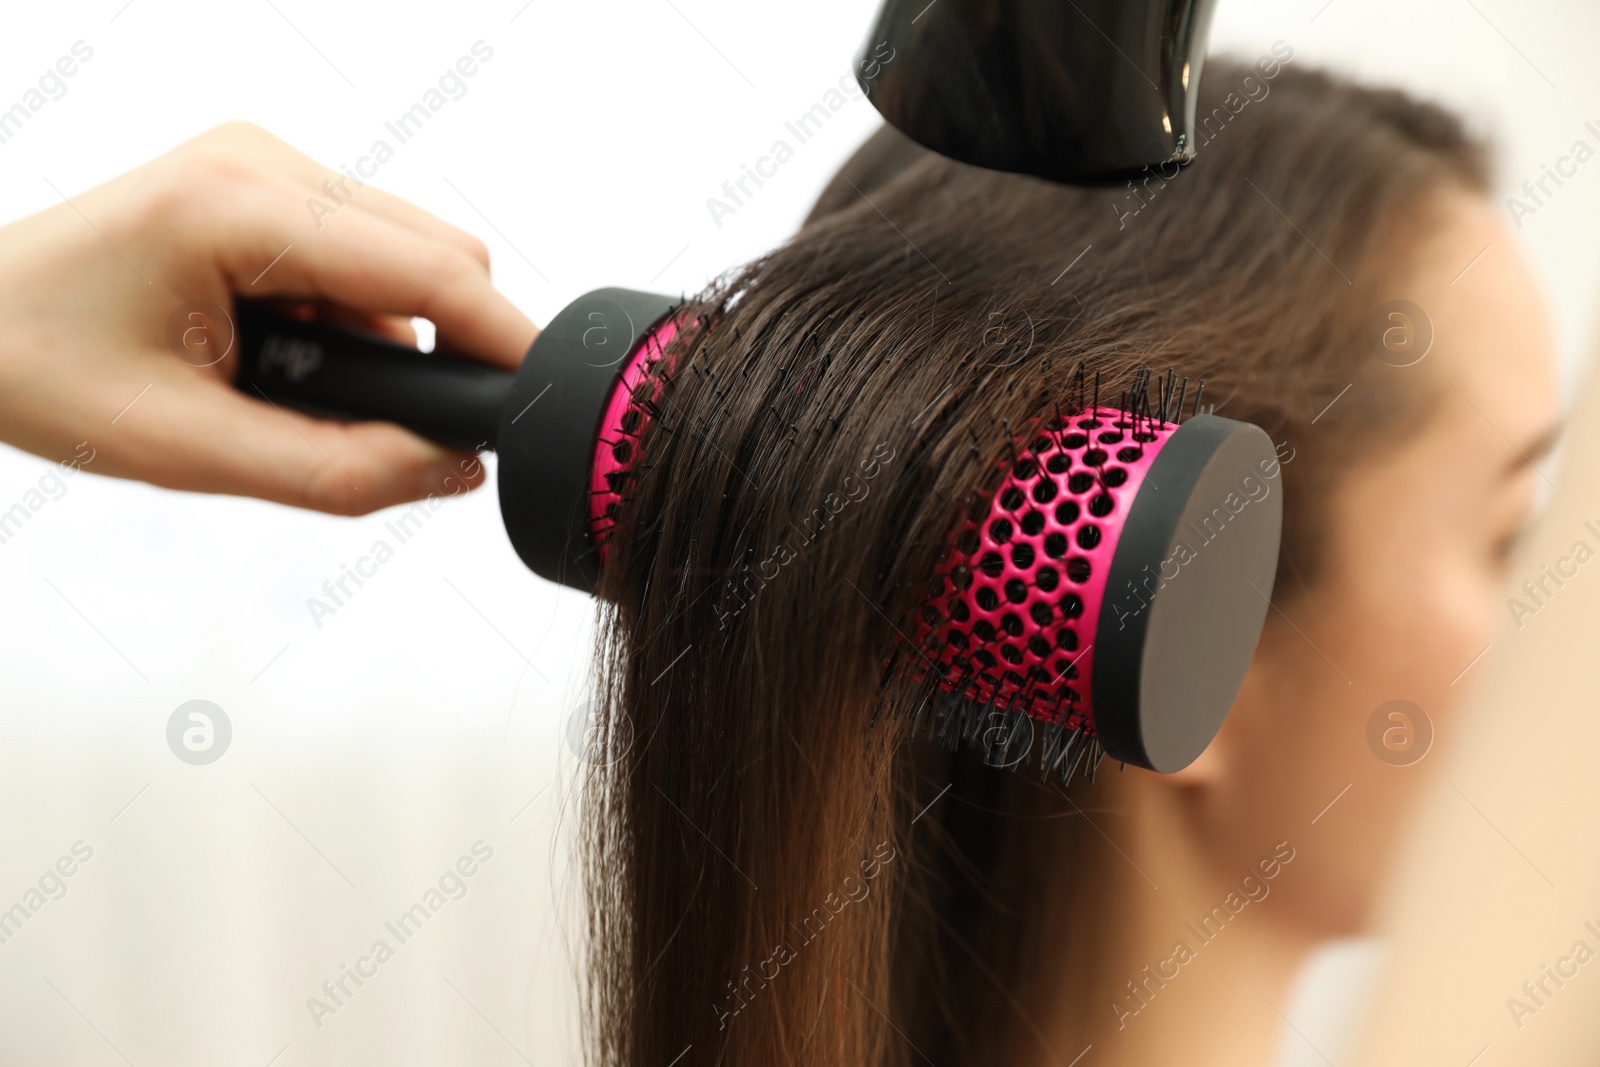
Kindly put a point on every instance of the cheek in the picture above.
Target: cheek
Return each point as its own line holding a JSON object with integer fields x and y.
{"x": 1413, "y": 593}
{"x": 1420, "y": 635}
{"x": 1393, "y": 633}
{"x": 1403, "y": 605}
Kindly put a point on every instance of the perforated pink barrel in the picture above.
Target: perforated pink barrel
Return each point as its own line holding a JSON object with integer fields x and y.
{"x": 1112, "y": 588}
{"x": 634, "y": 401}
{"x": 1024, "y": 587}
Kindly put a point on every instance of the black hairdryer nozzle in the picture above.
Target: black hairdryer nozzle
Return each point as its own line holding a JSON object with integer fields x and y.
{"x": 1080, "y": 91}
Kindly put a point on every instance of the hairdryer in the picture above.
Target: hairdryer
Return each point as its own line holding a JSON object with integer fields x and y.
{"x": 1080, "y": 91}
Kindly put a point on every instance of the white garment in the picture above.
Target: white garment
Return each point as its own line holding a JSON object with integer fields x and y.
{"x": 1328, "y": 1002}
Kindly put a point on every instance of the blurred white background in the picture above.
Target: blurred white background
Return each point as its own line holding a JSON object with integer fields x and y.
{"x": 431, "y": 711}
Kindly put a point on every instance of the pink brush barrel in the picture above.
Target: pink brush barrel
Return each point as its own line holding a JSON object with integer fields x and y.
{"x": 1026, "y": 580}
{"x": 632, "y": 404}
{"x": 1106, "y": 598}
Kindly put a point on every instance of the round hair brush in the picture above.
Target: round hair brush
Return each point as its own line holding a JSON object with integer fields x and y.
{"x": 1103, "y": 596}
{"x": 1106, "y": 598}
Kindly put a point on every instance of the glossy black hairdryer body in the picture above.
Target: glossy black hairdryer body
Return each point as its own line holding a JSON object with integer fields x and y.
{"x": 1079, "y": 91}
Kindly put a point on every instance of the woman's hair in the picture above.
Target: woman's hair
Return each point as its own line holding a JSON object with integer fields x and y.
{"x": 775, "y": 874}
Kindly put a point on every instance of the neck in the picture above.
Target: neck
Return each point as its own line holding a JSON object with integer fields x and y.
{"x": 1193, "y": 959}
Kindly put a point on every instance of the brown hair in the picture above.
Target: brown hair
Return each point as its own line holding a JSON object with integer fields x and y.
{"x": 767, "y": 883}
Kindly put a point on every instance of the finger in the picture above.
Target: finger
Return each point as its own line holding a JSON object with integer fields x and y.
{"x": 245, "y": 141}
{"x": 407, "y": 214}
{"x": 371, "y": 264}
{"x": 192, "y": 432}
{"x": 207, "y": 335}
{"x": 396, "y": 328}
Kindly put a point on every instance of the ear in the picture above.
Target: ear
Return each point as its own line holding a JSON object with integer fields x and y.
{"x": 1208, "y": 768}
{"x": 1212, "y": 766}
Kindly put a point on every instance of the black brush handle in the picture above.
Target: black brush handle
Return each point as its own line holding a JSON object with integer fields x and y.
{"x": 328, "y": 370}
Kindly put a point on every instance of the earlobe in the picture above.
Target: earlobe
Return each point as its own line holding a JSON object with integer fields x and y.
{"x": 1208, "y": 768}
{"x": 1212, "y": 765}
